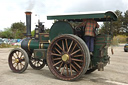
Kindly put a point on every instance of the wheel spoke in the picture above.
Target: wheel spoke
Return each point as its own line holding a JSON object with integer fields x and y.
{"x": 16, "y": 65}
{"x": 55, "y": 54}
{"x": 57, "y": 59}
{"x": 74, "y": 68}
{"x": 75, "y": 52}
{"x": 71, "y": 69}
{"x": 66, "y": 43}
{"x": 63, "y": 69}
{"x": 34, "y": 63}
{"x": 60, "y": 66}
{"x": 74, "y": 47}
{"x": 13, "y": 63}
{"x": 70, "y": 46}
{"x": 21, "y": 55}
{"x": 14, "y": 56}
{"x": 22, "y": 60}
{"x": 17, "y": 54}
{"x": 57, "y": 50}
{"x": 13, "y": 59}
{"x": 77, "y": 55}
{"x": 63, "y": 46}
{"x": 57, "y": 63}
{"x": 77, "y": 60}
{"x": 67, "y": 69}
{"x": 77, "y": 64}
{"x": 59, "y": 46}
{"x": 21, "y": 64}
{"x": 40, "y": 62}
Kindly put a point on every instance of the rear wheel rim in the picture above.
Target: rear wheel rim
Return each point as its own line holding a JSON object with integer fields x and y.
{"x": 66, "y": 58}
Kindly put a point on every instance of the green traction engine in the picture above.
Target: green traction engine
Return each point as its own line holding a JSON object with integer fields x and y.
{"x": 63, "y": 49}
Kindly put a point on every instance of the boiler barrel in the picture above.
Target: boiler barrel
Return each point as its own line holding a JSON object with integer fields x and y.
{"x": 35, "y": 44}
{"x": 31, "y": 44}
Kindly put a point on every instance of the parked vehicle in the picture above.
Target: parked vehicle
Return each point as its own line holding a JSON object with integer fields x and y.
{"x": 12, "y": 41}
{"x": 18, "y": 43}
{"x": 126, "y": 47}
{"x": 6, "y": 41}
{"x": 1, "y": 41}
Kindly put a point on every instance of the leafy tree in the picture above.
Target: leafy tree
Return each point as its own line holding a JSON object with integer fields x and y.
{"x": 7, "y": 33}
{"x": 19, "y": 34}
{"x": 125, "y": 22}
{"x": 18, "y": 29}
{"x": 116, "y": 27}
{"x": 32, "y": 33}
{"x": 18, "y": 26}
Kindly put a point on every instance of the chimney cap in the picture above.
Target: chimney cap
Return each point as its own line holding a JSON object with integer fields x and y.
{"x": 28, "y": 12}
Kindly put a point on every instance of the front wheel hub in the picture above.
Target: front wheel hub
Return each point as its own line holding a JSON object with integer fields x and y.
{"x": 16, "y": 60}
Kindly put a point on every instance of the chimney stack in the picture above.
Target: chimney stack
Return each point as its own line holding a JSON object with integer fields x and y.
{"x": 28, "y": 23}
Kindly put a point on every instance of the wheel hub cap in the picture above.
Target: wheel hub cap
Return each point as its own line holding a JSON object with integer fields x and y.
{"x": 17, "y": 60}
{"x": 65, "y": 57}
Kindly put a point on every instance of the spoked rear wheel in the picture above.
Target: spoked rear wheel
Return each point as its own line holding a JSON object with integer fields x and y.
{"x": 18, "y": 60}
{"x": 68, "y": 57}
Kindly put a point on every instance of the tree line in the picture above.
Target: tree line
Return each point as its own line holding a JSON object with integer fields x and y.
{"x": 14, "y": 32}
{"x": 119, "y": 27}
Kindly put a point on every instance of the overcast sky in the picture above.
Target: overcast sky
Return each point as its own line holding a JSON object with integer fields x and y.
{"x": 13, "y": 10}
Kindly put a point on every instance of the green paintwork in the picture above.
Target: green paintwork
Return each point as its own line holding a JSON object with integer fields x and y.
{"x": 101, "y": 49}
{"x": 101, "y": 16}
{"x": 34, "y": 44}
{"x": 58, "y": 28}
{"x": 40, "y": 53}
{"x": 45, "y": 45}
{"x": 44, "y": 37}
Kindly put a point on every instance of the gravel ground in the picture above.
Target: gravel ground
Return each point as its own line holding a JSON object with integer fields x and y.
{"x": 116, "y": 73}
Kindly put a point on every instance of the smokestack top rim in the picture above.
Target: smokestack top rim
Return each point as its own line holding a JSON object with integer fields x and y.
{"x": 28, "y": 12}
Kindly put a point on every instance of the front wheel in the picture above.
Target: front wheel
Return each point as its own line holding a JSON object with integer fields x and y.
{"x": 68, "y": 57}
{"x": 18, "y": 60}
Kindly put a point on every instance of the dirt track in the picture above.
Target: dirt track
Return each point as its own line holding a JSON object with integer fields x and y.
{"x": 116, "y": 73}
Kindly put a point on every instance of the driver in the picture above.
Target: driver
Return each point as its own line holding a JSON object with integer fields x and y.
{"x": 90, "y": 26}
